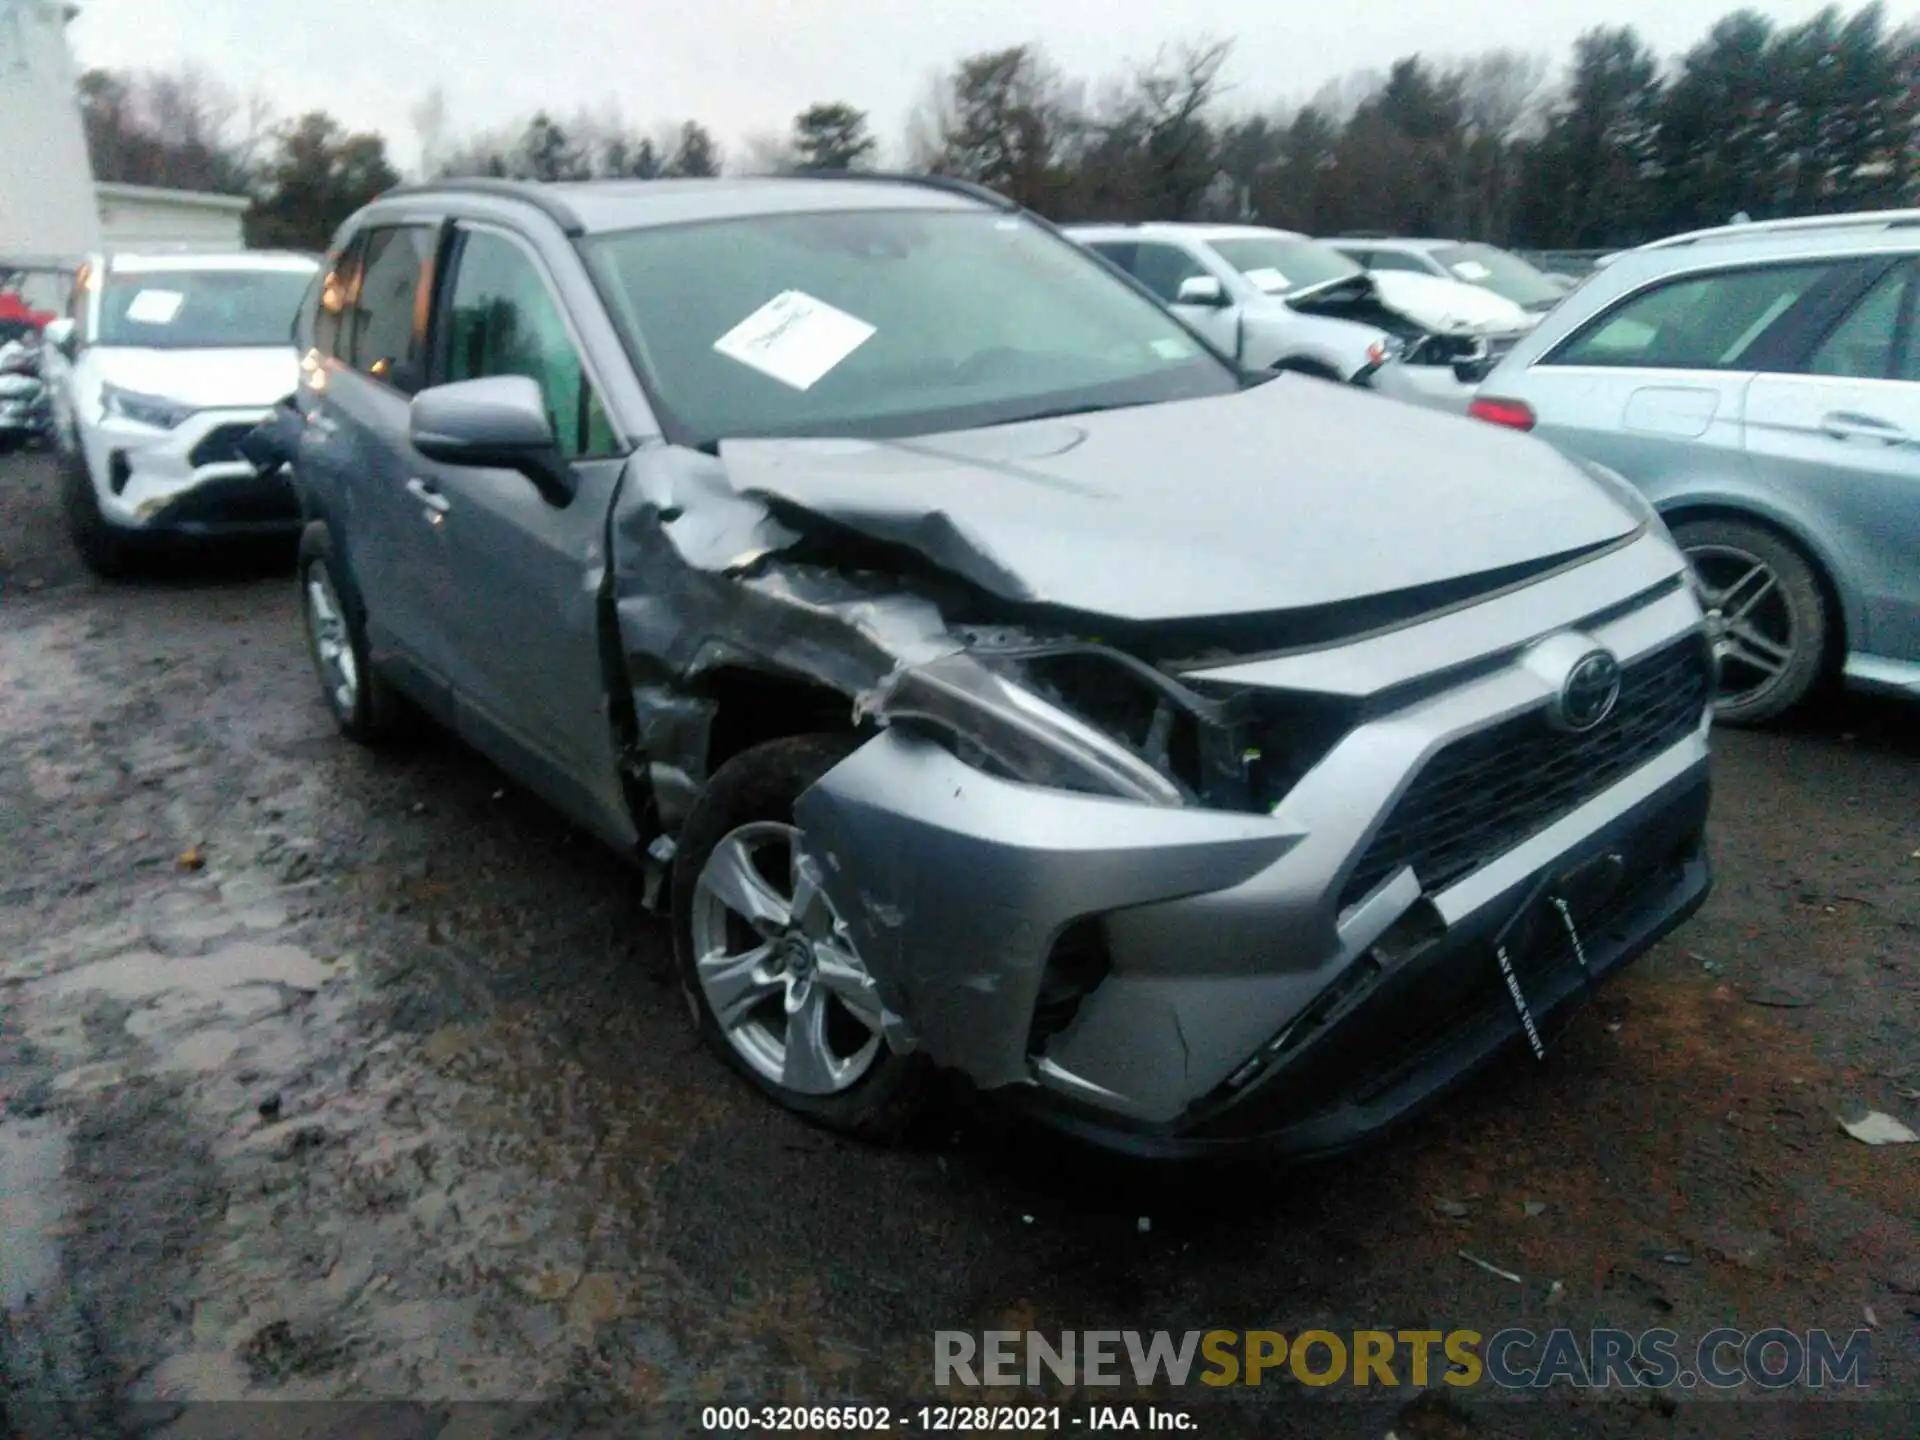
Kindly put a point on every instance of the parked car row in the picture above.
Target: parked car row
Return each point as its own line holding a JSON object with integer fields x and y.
{"x": 1761, "y": 384}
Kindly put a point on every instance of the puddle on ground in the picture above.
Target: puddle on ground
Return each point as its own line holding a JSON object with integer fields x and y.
{"x": 199, "y": 977}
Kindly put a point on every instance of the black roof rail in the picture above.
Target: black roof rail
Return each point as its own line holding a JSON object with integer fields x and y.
{"x": 1361, "y": 235}
{"x": 949, "y": 183}
{"x": 531, "y": 191}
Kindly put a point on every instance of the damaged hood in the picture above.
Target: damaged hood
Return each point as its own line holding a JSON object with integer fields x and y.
{"x": 1294, "y": 494}
{"x": 1449, "y": 307}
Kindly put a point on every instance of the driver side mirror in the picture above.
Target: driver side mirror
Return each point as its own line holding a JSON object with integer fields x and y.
{"x": 1201, "y": 290}
{"x": 495, "y": 423}
{"x": 62, "y": 335}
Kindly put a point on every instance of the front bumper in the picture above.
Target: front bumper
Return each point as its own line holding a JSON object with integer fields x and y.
{"x": 1261, "y": 982}
{"x": 191, "y": 480}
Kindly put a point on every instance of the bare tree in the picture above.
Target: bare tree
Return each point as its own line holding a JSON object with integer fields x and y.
{"x": 429, "y": 119}
{"x": 767, "y": 153}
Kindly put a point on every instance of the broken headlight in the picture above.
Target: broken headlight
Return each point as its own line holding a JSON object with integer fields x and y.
{"x": 1077, "y": 717}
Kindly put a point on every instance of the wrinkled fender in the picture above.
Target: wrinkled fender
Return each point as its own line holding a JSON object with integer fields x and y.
{"x": 955, "y": 886}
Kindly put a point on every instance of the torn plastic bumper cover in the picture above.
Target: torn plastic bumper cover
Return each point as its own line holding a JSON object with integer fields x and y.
{"x": 1097, "y": 888}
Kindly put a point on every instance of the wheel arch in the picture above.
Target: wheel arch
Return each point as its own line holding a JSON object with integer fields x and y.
{"x": 1843, "y": 620}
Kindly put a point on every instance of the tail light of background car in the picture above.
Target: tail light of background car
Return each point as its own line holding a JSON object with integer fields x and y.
{"x": 1514, "y": 414}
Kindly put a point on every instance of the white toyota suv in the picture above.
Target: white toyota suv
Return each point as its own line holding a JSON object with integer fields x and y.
{"x": 161, "y": 365}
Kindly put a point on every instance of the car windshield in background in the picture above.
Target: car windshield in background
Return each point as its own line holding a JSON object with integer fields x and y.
{"x": 1279, "y": 266}
{"x": 1502, "y": 272}
{"x": 873, "y": 323}
{"x": 202, "y": 309}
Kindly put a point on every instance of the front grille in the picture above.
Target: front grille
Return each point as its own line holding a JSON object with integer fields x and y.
{"x": 219, "y": 446}
{"x": 1486, "y": 793}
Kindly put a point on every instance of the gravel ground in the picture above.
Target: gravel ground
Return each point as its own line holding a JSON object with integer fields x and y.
{"x": 329, "y": 1076}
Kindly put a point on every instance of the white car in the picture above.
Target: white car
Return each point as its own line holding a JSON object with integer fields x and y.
{"x": 162, "y": 364}
{"x": 1275, "y": 299}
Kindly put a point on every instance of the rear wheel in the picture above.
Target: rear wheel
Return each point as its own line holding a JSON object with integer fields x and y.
{"x": 1772, "y": 613}
{"x": 773, "y": 978}
{"x": 362, "y": 705}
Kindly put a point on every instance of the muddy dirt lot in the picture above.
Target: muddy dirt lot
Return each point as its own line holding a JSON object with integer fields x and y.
{"x": 330, "y": 1076}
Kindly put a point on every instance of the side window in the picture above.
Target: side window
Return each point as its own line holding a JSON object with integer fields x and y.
{"x": 503, "y": 320}
{"x": 1394, "y": 260}
{"x": 1706, "y": 322}
{"x": 336, "y": 284}
{"x": 387, "y": 305}
{"x": 1161, "y": 268}
{"x": 1861, "y": 346}
{"x": 1120, "y": 252}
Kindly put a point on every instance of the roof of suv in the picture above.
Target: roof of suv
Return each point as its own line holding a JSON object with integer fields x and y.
{"x": 156, "y": 260}
{"x": 1632, "y": 266}
{"x": 1191, "y": 231}
{"x": 1387, "y": 242}
{"x": 586, "y": 207}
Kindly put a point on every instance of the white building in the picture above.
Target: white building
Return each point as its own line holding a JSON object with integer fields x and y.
{"x": 47, "y": 204}
{"x": 134, "y": 216}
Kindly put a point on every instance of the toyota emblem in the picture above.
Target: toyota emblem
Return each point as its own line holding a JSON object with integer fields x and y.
{"x": 1589, "y": 693}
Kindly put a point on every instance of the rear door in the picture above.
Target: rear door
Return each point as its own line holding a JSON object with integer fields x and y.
{"x": 1839, "y": 441}
{"x": 530, "y": 676}
{"x": 1656, "y": 386}
{"x": 371, "y": 335}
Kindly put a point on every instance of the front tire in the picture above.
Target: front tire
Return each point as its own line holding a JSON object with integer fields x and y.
{"x": 1773, "y": 613}
{"x": 773, "y": 980}
{"x": 104, "y": 548}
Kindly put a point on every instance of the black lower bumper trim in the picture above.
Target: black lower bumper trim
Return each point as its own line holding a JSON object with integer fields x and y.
{"x": 1447, "y": 1018}
{"x": 236, "y": 505}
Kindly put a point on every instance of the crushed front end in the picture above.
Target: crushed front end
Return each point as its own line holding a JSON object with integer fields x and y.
{"x": 1185, "y": 904}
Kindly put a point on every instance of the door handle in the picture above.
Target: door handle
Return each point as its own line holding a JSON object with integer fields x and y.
{"x": 1845, "y": 425}
{"x": 427, "y": 495}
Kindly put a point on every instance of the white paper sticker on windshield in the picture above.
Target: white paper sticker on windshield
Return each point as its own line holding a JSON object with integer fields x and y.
{"x": 1471, "y": 270}
{"x": 1268, "y": 279}
{"x": 155, "y": 307}
{"x": 1174, "y": 348}
{"x": 794, "y": 338}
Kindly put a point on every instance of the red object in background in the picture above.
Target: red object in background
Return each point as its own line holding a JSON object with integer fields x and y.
{"x": 1514, "y": 414}
{"x": 14, "y": 309}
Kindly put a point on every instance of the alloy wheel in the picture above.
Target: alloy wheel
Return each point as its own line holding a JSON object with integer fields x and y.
{"x": 1753, "y": 618}
{"x": 777, "y": 967}
{"x": 332, "y": 644}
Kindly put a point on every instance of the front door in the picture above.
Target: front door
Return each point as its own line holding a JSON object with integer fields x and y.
{"x": 531, "y": 674}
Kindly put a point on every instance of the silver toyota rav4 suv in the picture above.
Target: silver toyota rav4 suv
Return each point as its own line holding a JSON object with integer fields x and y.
{"x": 987, "y": 674}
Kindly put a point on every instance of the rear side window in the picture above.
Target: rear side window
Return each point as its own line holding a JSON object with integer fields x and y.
{"x": 1868, "y": 343}
{"x": 330, "y": 330}
{"x": 1704, "y": 322}
{"x": 1394, "y": 260}
{"x": 386, "y": 307}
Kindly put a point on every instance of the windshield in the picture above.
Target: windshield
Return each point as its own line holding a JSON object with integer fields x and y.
{"x": 201, "y": 309}
{"x": 875, "y": 323}
{"x": 1278, "y": 265}
{"x": 1502, "y": 272}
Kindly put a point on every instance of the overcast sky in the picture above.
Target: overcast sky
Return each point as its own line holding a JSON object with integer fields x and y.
{"x": 746, "y": 66}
